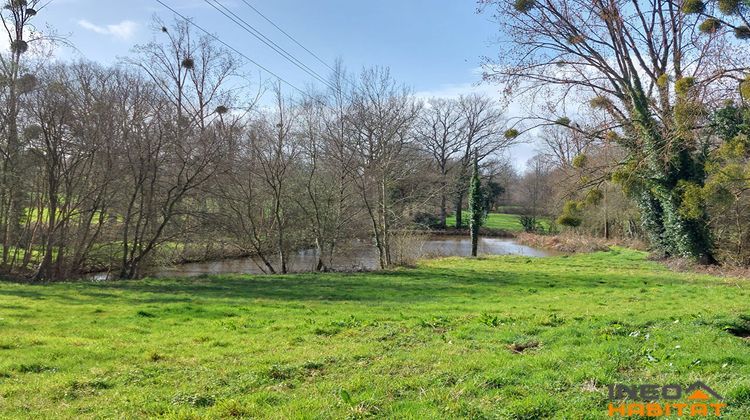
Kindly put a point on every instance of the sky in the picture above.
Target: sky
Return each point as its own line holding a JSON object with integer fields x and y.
{"x": 433, "y": 46}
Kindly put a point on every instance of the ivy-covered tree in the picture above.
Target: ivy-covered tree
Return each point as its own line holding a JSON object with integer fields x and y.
{"x": 647, "y": 77}
{"x": 476, "y": 207}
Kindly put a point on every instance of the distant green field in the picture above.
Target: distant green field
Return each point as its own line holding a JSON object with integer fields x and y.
{"x": 508, "y": 222}
{"x": 498, "y": 337}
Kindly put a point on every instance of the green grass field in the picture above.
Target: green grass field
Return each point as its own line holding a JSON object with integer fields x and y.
{"x": 501, "y": 337}
{"x": 507, "y": 222}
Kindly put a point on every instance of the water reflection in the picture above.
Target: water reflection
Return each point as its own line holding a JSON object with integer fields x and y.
{"x": 360, "y": 255}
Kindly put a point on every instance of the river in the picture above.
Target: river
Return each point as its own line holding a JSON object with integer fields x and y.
{"x": 357, "y": 255}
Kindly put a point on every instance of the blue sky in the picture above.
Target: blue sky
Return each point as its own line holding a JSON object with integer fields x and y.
{"x": 434, "y": 46}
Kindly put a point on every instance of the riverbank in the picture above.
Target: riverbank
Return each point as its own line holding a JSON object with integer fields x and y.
{"x": 571, "y": 243}
{"x": 483, "y": 232}
{"x": 511, "y": 337}
{"x": 106, "y": 257}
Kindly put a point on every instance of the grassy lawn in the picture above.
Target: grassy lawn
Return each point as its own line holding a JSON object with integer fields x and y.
{"x": 507, "y": 337}
{"x": 508, "y": 222}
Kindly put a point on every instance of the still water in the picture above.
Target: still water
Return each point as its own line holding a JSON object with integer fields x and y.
{"x": 360, "y": 255}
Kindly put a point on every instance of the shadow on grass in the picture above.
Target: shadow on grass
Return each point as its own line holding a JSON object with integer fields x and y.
{"x": 407, "y": 286}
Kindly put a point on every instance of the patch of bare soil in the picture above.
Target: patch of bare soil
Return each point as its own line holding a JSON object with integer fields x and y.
{"x": 521, "y": 347}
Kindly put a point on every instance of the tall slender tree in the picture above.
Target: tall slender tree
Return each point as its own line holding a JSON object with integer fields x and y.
{"x": 381, "y": 119}
{"x": 16, "y": 17}
{"x": 476, "y": 207}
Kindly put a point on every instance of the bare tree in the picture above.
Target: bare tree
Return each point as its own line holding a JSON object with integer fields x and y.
{"x": 244, "y": 202}
{"x": 381, "y": 119}
{"x": 440, "y": 132}
{"x": 482, "y": 135}
{"x": 276, "y": 149}
{"x": 563, "y": 145}
{"x": 178, "y": 146}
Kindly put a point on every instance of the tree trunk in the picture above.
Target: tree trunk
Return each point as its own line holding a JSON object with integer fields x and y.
{"x": 443, "y": 209}
{"x": 45, "y": 267}
{"x": 474, "y": 241}
{"x": 459, "y": 210}
{"x": 386, "y": 233}
{"x": 476, "y": 208}
{"x": 320, "y": 266}
{"x": 443, "y": 197}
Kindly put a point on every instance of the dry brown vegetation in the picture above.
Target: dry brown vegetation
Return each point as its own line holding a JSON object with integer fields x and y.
{"x": 570, "y": 242}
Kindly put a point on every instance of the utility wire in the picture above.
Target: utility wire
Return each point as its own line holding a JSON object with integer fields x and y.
{"x": 288, "y": 35}
{"x": 242, "y": 23}
{"x": 241, "y": 54}
{"x": 346, "y": 78}
{"x": 217, "y": 39}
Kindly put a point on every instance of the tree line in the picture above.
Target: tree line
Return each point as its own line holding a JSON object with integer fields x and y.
{"x": 118, "y": 168}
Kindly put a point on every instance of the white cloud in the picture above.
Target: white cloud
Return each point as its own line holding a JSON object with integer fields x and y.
{"x": 123, "y": 30}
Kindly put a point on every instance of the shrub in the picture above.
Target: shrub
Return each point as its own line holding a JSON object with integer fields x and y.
{"x": 529, "y": 223}
{"x": 570, "y": 215}
{"x": 428, "y": 220}
{"x": 569, "y": 221}
{"x": 553, "y": 229}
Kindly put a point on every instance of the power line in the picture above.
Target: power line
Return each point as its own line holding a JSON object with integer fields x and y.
{"x": 242, "y": 23}
{"x": 346, "y": 78}
{"x": 217, "y": 39}
{"x": 288, "y": 35}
